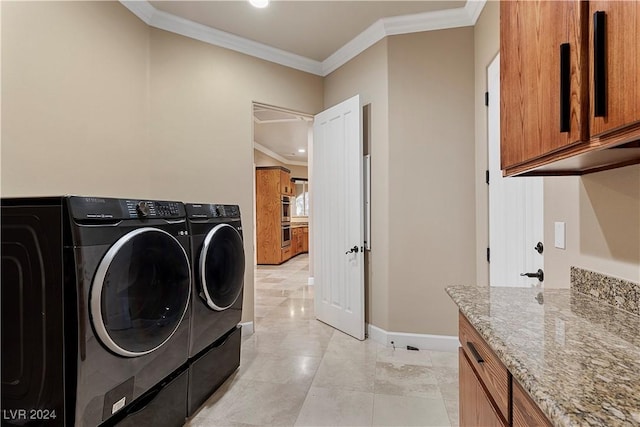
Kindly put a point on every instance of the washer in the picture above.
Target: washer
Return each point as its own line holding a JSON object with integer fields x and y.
{"x": 95, "y": 297}
{"x": 218, "y": 271}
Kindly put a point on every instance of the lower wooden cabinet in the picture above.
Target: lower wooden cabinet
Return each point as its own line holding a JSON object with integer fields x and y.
{"x": 525, "y": 412}
{"x": 285, "y": 253}
{"x": 305, "y": 239}
{"x": 299, "y": 240}
{"x": 489, "y": 396}
{"x": 477, "y": 409}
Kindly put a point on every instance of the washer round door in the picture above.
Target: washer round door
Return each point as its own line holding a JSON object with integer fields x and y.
{"x": 140, "y": 292}
{"x": 221, "y": 267}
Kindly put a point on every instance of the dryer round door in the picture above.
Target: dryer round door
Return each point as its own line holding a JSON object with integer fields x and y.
{"x": 221, "y": 267}
{"x": 140, "y": 292}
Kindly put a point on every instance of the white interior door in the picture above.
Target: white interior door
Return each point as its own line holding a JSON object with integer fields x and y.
{"x": 516, "y": 212}
{"x": 337, "y": 210}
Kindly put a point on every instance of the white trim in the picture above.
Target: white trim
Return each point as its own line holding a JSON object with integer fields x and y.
{"x": 474, "y": 9}
{"x": 142, "y": 9}
{"x": 353, "y": 48}
{"x": 429, "y": 21}
{"x": 310, "y": 281}
{"x": 422, "y": 341}
{"x": 247, "y": 329}
{"x": 438, "y": 20}
{"x": 276, "y": 156}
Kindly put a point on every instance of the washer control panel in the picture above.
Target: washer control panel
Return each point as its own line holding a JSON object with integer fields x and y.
{"x": 195, "y": 211}
{"x": 104, "y": 208}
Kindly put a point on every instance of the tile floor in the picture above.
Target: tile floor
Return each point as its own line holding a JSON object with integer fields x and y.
{"x": 297, "y": 371}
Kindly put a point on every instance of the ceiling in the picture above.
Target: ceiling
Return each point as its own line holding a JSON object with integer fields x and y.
{"x": 313, "y": 36}
{"x": 280, "y": 134}
{"x": 312, "y": 29}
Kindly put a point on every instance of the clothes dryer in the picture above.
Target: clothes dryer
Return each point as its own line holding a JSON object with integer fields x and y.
{"x": 95, "y": 296}
{"x": 218, "y": 262}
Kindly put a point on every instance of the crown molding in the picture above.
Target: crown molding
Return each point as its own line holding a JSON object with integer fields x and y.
{"x": 429, "y": 21}
{"x": 175, "y": 24}
{"x": 355, "y": 47}
{"x": 474, "y": 9}
{"x": 142, "y": 9}
{"x": 277, "y": 156}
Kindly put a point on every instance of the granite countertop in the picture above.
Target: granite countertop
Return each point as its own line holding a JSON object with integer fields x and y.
{"x": 299, "y": 224}
{"x": 577, "y": 357}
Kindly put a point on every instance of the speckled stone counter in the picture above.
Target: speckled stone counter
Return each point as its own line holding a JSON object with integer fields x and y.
{"x": 577, "y": 357}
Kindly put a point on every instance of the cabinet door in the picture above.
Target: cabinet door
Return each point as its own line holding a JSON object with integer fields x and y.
{"x": 268, "y": 216}
{"x": 616, "y": 86}
{"x": 475, "y": 406}
{"x": 525, "y": 412}
{"x": 532, "y": 104}
{"x": 305, "y": 239}
{"x": 285, "y": 183}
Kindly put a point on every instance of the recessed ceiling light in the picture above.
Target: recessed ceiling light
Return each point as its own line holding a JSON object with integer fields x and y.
{"x": 259, "y": 3}
{"x": 301, "y": 150}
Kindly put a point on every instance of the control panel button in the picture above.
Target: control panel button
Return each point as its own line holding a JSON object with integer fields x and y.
{"x": 143, "y": 208}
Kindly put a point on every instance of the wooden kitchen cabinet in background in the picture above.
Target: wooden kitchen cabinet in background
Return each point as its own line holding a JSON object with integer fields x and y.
{"x": 286, "y": 185}
{"x": 549, "y": 88}
{"x": 299, "y": 240}
{"x": 272, "y": 183}
{"x": 269, "y": 215}
{"x": 305, "y": 239}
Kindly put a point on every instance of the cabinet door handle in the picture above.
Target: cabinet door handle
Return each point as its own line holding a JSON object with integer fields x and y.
{"x": 599, "y": 64}
{"x": 565, "y": 87}
{"x": 474, "y": 352}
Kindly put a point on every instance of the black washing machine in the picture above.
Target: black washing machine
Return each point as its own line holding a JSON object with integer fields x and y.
{"x": 95, "y": 296}
{"x": 216, "y": 308}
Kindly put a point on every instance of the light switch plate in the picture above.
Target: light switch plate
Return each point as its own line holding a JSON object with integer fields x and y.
{"x": 560, "y": 233}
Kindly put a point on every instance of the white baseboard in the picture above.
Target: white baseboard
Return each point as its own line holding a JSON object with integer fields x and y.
{"x": 422, "y": 341}
{"x": 247, "y": 329}
{"x": 310, "y": 281}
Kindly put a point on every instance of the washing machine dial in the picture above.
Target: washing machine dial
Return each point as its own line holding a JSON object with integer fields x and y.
{"x": 143, "y": 208}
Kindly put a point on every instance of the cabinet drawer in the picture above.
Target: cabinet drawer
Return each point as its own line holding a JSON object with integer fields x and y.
{"x": 286, "y": 253}
{"x": 492, "y": 372}
{"x": 525, "y": 411}
{"x": 476, "y": 408}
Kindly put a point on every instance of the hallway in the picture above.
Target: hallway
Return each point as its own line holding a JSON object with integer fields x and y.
{"x": 298, "y": 371}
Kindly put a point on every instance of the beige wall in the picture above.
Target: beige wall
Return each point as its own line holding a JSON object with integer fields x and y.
{"x": 74, "y": 100}
{"x": 201, "y": 123}
{"x": 486, "y": 46}
{"x": 95, "y": 102}
{"x": 367, "y": 75}
{"x": 262, "y": 159}
{"x": 431, "y": 177}
{"x": 602, "y": 216}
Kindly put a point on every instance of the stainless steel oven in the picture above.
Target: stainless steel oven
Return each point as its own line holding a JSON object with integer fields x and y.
{"x": 286, "y": 234}
{"x": 285, "y": 202}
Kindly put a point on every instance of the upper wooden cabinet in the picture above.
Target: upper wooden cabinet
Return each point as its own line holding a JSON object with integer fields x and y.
{"x": 286, "y": 185}
{"x": 614, "y": 38}
{"x": 554, "y": 61}
{"x": 533, "y": 33}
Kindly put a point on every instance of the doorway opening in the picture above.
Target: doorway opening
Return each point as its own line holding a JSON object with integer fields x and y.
{"x": 282, "y": 141}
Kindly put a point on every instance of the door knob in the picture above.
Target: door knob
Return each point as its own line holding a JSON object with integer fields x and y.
{"x": 539, "y": 274}
{"x": 352, "y": 250}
